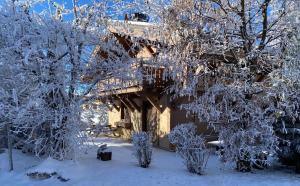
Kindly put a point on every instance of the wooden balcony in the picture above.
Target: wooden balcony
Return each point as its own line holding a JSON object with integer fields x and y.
{"x": 140, "y": 77}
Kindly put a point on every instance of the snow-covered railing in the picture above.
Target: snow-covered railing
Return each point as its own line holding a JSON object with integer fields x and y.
{"x": 141, "y": 75}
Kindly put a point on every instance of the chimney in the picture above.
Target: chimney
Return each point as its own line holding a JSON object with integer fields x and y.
{"x": 126, "y": 18}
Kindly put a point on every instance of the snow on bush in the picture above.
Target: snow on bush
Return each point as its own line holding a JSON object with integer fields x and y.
{"x": 50, "y": 168}
{"x": 243, "y": 123}
{"x": 142, "y": 148}
{"x": 190, "y": 146}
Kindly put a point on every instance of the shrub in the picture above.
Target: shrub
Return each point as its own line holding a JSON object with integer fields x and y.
{"x": 142, "y": 148}
{"x": 190, "y": 147}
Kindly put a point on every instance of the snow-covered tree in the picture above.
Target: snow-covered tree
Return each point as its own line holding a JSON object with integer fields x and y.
{"x": 219, "y": 54}
{"x": 244, "y": 125}
{"x": 285, "y": 88}
{"x": 190, "y": 147}
{"x": 14, "y": 84}
{"x": 43, "y": 58}
{"x": 142, "y": 148}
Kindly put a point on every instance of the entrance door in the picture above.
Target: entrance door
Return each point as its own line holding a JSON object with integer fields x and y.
{"x": 144, "y": 116}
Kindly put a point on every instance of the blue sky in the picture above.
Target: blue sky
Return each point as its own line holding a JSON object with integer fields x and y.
{"x": 68, "y": 5}
{"x": 44, "y": 6}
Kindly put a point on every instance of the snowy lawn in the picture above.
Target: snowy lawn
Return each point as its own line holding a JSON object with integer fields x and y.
{"x": 165, "y": 169}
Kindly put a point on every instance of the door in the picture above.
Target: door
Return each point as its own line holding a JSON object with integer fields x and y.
{"x": 144, "y": 116}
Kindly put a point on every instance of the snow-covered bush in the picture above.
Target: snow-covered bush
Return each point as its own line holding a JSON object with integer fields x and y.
{"x": 190, "y": 147}
{"x": 142, "y": 148}
{"x": 243, "y": 123}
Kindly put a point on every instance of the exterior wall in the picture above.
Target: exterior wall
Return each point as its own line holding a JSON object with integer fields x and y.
{"x": 164, "y": 123}
{"x": 144, "y": 53}
{"x": 159, "y": 124}
{"x": 152, "y": 124}
{"x": 180, "y": 116}
{"x": 136, "y": 117}
{"x": 114, "y": 116}
{"x": 164, "y": 128}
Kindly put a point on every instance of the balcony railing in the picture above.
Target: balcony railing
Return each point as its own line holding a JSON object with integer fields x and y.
{"x": 141, "y": 75}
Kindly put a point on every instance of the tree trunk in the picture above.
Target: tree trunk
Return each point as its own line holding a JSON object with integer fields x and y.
{"x": 297, "y": 159}
{"x": 9, "y": 146}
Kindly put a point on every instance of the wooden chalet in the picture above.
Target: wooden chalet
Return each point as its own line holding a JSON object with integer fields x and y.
{"x": 142, "y": 105}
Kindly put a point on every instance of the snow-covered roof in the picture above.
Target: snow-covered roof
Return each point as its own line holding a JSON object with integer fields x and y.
{"x": 145, "y": 30}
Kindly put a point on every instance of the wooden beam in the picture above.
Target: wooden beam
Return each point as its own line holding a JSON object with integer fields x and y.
{"x": 128, "y": 105}
{"x": 150, "y": 50}
{"x": 127, "y": 90}
{"x": 135, "y": 106}
{"x": 153, "y": 102}
{"x": 125, "y": 103}
{"x": 115, "y": 106}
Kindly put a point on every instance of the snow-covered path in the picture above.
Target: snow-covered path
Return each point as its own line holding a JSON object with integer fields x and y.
{"x": 166, "y": 169}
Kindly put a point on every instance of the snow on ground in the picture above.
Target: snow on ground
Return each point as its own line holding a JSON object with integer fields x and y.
{"x": 166, "y": 169}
